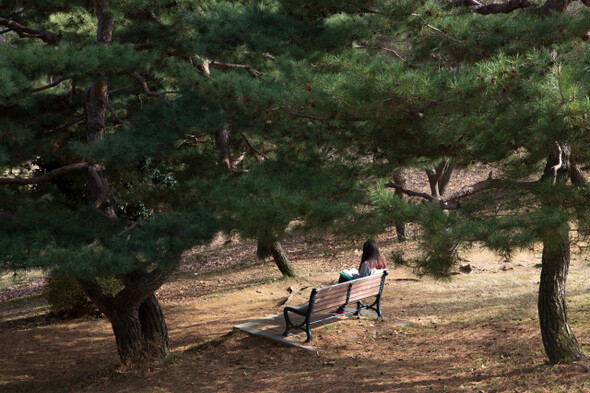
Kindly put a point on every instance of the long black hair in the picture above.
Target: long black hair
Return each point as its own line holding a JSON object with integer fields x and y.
{"x": 372, "y": 255}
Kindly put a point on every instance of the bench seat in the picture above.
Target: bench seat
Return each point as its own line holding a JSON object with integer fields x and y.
{"x": 321, "y": 299}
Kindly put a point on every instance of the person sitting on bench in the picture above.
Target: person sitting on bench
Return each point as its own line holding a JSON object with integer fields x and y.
{"x": 371, "y": 263}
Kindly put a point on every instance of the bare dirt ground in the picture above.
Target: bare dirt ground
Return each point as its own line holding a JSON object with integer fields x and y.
{"x": 476, "y": 333}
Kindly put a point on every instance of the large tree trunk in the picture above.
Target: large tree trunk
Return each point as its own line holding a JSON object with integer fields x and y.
{"x": 560, "y": 343}
{"x": 401, "y": 228}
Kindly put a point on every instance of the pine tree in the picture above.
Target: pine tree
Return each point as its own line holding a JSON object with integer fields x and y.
{"x": 513, "y": 93}
{"x": 119, "y": 145}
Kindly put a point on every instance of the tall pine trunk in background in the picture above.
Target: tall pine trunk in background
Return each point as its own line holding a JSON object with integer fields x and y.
{"x": 401, "y": 228}
{"x": 558, "y": 339}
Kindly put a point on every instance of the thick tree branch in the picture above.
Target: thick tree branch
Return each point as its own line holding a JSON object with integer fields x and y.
{"x": 503, "y": 7}
{"x": 103, "y": 188}
{"x": 258, "y": 153}
{"x": 26, "y": 32}
{"x": 53, "y": 84}
{"x": 45, "y": 177}
{"x": 452, "y": 201}
{"x": 137, "y": 291}
{"x": 98, "y": 295}
{"x": 469, "y": 3}
{"x": 147, "y": 90}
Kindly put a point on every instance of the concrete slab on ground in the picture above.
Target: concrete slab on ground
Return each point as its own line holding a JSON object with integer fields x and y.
{"x": 273, "y": 327}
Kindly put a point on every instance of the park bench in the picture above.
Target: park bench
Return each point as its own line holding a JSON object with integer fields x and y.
{"x": 335, "y": 296}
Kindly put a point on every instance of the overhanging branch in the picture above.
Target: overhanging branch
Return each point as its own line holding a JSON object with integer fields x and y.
{"x": 452, "y": 201}
{"x": 18, "y": 181}
{"x": 147, "y": 90}
{"x": 53, "y": 84}
{"x": 504, "y": 8}
{"x": 27, "y": 32}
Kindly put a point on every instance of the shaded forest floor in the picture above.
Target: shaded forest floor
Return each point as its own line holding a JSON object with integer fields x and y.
{"x": 478, "y": 332}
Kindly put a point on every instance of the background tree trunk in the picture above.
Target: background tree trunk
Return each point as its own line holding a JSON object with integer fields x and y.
{"x": 401, "y": 228}
{"x": 560, "y": 343}
{"x": 222, "y": 145}
{"x": 281, "y": 259}
{"x": 439, "y": 177}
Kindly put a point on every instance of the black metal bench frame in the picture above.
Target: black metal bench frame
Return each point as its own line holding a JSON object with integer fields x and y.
{"x": 307, "y": 310}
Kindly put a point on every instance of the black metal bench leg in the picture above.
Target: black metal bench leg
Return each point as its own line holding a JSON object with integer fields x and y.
{"x": 379, "y": 307}
{"x": 288, "y": 323}
{"x": 308, "y": 331}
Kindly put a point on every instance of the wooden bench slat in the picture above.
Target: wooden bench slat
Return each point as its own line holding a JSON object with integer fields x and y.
{"x": 338, "y": 295}
{"x": 342, "y": 294}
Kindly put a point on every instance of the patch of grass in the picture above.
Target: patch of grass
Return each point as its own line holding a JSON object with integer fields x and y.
{"x": 8, "y": 279}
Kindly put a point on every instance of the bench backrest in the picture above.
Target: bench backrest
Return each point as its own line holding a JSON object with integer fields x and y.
{"x": 347, "y": 292}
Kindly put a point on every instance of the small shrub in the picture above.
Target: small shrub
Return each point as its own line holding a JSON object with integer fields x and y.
{"x": 67, "y": 300}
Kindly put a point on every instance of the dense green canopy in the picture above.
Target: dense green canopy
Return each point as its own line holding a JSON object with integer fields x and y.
{"x": 131, "y": 131}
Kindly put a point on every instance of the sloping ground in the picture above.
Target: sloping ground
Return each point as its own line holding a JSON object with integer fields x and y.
{"x": 476, "y": 333}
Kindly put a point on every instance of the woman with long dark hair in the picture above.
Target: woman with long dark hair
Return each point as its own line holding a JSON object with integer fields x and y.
{"x": 371, "y": 263}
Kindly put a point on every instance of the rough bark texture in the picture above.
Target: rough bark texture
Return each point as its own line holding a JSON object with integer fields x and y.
{"x": 401, "y": 228}
{"x": 262, "y": 251}
{"x": 135, "y": 315}
{"x": 222, "y": 145}
{"x": 560, "y": 343}
{"x": 281, "y": 259}
{"x": 556, "y": 5}
{"x": 505, "y": 8}
{"x": 439, "y": 177}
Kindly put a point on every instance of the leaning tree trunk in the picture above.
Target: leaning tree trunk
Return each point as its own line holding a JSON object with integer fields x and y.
{"x": 401, "y": 228}
{"x": 559, "y": 341}
{"x": 281, "y": 259}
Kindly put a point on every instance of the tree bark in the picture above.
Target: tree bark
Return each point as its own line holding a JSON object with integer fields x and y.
{"x": 401, "y": 228}
{"x": 262, "y": 251}
{"x": 559, "y": 341}
{"x": 153, "y": 328}
{"x": 281, "y": 259}
{"x": 556, "y": 5}
{"x": 222, "y": 145}
{"x": 439, "y": 177}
